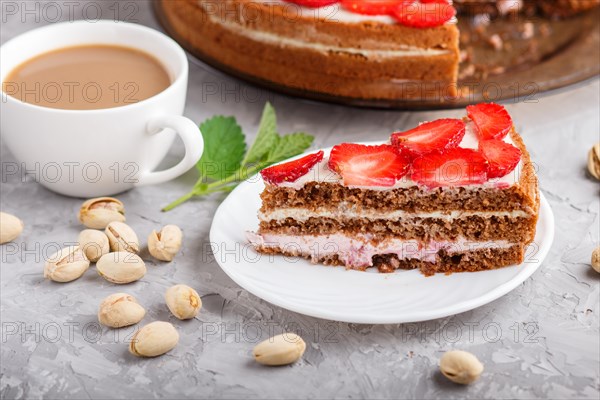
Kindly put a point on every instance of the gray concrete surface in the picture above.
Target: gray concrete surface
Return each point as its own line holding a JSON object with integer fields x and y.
{"x": 539, "y": 341}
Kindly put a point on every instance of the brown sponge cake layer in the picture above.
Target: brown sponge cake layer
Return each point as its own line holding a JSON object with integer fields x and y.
{"x": 474, "y": 228}
{"x": 471, "y": 261}
{"x": 269, "y": 60}
{"x": 232, "y": 34}
{"x": 316, "y": 195}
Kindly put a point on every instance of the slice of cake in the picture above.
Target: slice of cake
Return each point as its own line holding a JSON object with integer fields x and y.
{"x": 447, "y": 196}
{"x": 375, "y": 50}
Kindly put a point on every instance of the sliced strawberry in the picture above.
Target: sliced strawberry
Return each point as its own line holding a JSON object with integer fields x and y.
{"x": 292, "y": 170}
{"x": 491, "y": 120}
{"x": 442, "y": 134}
{"x": 313, "y": 3}
{"x": 371, "y": 7}
{"x": 455, "y": 167}
{"x": 501, "y": 156}
{"x": 424, "y": 14}
{"x": 362, "y": 165}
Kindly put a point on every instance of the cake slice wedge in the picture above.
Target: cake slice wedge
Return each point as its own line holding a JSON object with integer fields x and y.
{"x": 327, "y": 48}
{"x": 451, "y": 195}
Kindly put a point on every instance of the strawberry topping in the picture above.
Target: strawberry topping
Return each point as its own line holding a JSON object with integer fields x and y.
{"x": 501, "y": 156}
{"x": 371, "y": 7}
{"x": 455, "y": 167}
{"x": 291, "y": 171}
{"x": 424, "y": 14}
{"x": 313, "y": 3}
{"x": 491, "y": 120}
{"x": 442, "y": 134}
{"x": 362, "y": 165}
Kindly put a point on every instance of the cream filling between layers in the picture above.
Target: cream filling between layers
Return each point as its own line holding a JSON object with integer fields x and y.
{"x": 345, "y": 213}
{"x": 357, "y": 251}
{"x": 282, "y": 41}
{"x": 333, "y": 12}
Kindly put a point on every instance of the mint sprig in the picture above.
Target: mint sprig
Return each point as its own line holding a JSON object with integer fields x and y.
{"x": 225, "y": 161}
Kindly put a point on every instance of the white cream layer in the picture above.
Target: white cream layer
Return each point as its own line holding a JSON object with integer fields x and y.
{"x": 322, "y": 173}
{"x": 346, "y": 212}
{"x": 278, "y": 40}
{"x": 334, "y": 12}
{"x": 358, "y": 251}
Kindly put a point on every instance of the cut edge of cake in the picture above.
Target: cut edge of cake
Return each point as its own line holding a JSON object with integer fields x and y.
{"x": 332, "y": 52}
{"x": 451, "y": 229}
{"x": 281, "y": 43}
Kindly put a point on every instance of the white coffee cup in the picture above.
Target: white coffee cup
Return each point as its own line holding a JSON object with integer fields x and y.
{"x": 89, "y": 153}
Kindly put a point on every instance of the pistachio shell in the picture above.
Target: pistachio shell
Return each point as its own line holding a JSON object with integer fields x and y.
{"x": 119, "y": 310}
{"x": 596, "y": 259}
{"x": 122, "y": 238}
{"x": 183, "y": 301}
{"x": 164, "y": 245}
{"x": 93, "y": 243}
{"x": 66, "y": 265}
{"x": 460, "y": 366}
{"x": 594, "y": 161}
{"x": 154, "y": 339}
{"x": 121, "y": 267}
{"x": 282, "y": 349}
{"x": 99, "y": 212}
{"x": 10, "y": 227}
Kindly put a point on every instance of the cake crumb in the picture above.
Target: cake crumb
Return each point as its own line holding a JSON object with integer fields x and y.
{"x": 545, "y": 29}
{"x": 467, "y": 72}
{"x": 464, "y": 55}
{"x": 481, "y": 20}
{"x": 496, "y": 42}
{"x": 509, "y": 6}
{"x": 528, "y": 30}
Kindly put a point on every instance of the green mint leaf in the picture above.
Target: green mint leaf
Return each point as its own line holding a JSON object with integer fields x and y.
{"x": 265, "y": 138}
{"x": 288, "y": 146}
{"x": 223, "y": 164}
{"x": 224, "y": 148}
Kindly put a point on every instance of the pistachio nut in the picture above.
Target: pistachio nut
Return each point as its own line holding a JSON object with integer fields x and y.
{"x": 594, "y": 161}
{"x": 10, "y": 227}
{"x": 98, "y": 213}
{"x": 596, "y": 259}
{"x": 183, "y": 301}
{"x": 122, "y": 238}
{"x": 119, "y": 310}
{"x": 460, "y": 366}
{"x": 121, "y": 267}
{"x": 66, "y": 265}
{"x": 154, "y": 339}
{"x": 282, "y": 349}
{"x": 93, "y": 243}
{"x": 165, "y": 244}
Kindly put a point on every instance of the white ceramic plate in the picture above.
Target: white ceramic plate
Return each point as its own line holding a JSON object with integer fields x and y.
{"x": 353, "y": 296}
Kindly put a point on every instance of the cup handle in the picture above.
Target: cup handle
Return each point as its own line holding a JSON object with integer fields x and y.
{"x": 192, "y": 139}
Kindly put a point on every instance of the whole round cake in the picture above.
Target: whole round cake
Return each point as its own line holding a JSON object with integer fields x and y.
{"x": 361, "y": 49}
